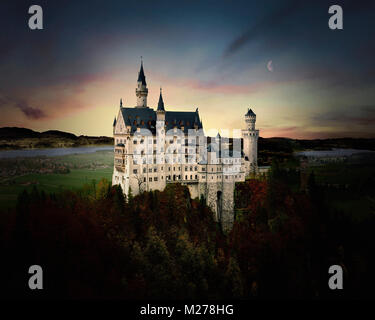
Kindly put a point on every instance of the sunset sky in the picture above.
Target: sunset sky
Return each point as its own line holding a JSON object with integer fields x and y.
{"x": 302, "y": 79}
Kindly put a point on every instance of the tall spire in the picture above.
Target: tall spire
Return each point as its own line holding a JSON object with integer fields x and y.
{"x": 160, "y": 103}
{"x": 141, "y": 74}
{"x": 141, "y": 91}
{"x": 121, "y": 103}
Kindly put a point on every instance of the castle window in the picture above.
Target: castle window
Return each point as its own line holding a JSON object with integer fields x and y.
{"x": 155, "y": 170}
{"x": 155, "y": 178}
{"x": 185, "y": 177}
{"x": 135, "y": 141}
{"x": 161, "y": 168}
{"x": 191, "y": 177}
{"x": 144, "y": 170}
{"x": 150, "y": 170}
{"x": 144, "y": 179}
{"x": 196, "y": 177}
{"x": 196, "y": 168}
{"x": 135, "y": 171}
{"x": 150, "y": 179}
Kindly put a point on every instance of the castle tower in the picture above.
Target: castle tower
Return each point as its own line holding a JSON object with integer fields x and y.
{"x": 160, "y": 128}
{"x": 160, "y": 111}
{"x": 141, "y": 91}
{"x": 250, "y": 141}
{"x": 160, "y": 140}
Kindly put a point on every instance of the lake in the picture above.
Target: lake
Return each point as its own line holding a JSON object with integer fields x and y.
{"x": 332, "y": 153}
{"x": 53, "y": 152}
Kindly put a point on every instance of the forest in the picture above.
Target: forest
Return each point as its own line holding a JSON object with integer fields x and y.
{"x": 94, "y": 243}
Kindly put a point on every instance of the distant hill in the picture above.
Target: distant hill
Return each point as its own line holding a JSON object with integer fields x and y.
{"x": 19, "y": 138}
{"x": 283, "y": 148}
{"x": 59, "y": 134}
{"x": 17, "y": 133}
{"x": 23, "y": 138}
{"x": 290, "y": 145}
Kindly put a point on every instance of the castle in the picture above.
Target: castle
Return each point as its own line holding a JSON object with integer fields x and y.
{"x": 155, "y": 148}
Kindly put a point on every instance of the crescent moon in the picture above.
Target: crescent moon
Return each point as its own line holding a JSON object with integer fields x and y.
{"x": 270, "y": 66}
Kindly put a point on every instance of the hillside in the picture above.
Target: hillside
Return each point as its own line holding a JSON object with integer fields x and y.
{"x": 22, "y": 138}
{"x": 290, "y": 145}
{"x": 282, "y": 148}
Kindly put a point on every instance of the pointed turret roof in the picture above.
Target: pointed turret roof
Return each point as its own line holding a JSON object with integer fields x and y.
{"x": 114, "y": 121}
{"x": 197, "y": 120}
{"x": 250, "y": 113}
{"x": 160, "y": 103}
{"x": 141, "y": 75}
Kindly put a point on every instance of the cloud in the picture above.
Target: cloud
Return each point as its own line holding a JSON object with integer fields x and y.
{"x": 29, "y": 111}
{"x": 263, "y": 26}
{"x": 360, "y": 115}
{"x": 215, "y": 87}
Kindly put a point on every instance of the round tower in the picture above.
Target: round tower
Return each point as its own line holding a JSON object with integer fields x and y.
{"x": 250, "y": 142}
{"x": 250, "y": 119}
{"x": 141, "y": 91}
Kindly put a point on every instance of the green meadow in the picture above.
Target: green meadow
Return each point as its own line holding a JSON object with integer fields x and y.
{"x": 81, "y": 169}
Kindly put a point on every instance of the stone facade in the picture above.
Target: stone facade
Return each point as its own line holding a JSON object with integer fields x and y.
{"x": 155, "y": 148}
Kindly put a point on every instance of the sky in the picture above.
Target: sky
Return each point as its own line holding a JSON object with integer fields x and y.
{"x": 280, "y": 58}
